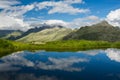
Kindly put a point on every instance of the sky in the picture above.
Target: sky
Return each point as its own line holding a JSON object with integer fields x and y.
{"x": 23, "y": 14}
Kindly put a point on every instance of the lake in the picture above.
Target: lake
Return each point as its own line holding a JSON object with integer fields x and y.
{"x": 80, "y": 65}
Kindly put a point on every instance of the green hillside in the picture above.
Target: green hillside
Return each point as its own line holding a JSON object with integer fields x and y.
{"x": 46, "y": 35}
{"x": 101, "y": 31}
{"x": 8, "y": 47}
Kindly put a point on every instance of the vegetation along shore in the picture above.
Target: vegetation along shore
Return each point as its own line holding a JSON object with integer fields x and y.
{"x": 7, "y": 46}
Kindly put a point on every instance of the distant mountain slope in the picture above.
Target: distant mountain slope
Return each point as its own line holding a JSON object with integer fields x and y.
{"x": 37, "y": 28}
{"x": 100, "y": 31}
{"x": 10, "y": 34}
{"x": 5, "y": 32}
{"x": 49, "y": 34}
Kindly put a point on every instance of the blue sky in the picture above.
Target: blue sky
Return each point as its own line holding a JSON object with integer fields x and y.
{"x": 73, "y": 12}
{"x": 98, "y": 8}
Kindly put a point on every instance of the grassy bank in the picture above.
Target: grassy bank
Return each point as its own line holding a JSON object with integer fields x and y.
{"x": 76, "y": 45}
{"x": 7, "y": 47}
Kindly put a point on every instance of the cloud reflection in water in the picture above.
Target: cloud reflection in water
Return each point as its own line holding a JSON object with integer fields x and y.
{"x": 113, "y": 54}
{"x": 52, "y": 65}
{"x": 10, "y": 63}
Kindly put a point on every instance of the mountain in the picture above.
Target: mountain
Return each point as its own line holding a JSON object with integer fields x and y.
{"x": 5, "y": 32}
{"x": 101, "y": 31}
{"x": 37, "y": 28}
{"x": 10, "y": 34}
{"x": 46, "y": 34}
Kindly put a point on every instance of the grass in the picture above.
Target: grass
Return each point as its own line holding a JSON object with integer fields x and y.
{"x": 75, "y": 45}
{"x": 7, "y": 47}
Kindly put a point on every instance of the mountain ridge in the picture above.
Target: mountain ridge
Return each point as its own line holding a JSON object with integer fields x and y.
{"x": 100, "y": 31}
{"x": 46, "y": 35}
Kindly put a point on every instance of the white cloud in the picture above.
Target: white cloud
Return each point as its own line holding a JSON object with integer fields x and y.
{"x": 113, "y": 54}
{"x": 56, "y": 22}
{"x": 38, "y": 23}
{"x": 85, "y": 21}
{"x": 7, "y": 3}
{"x": 93, "y": 18}
{"x": 73, "y": 1}
{"x": 9, "y": 22}
{"x": 61, "y": 7}
{"x": 12, "y": 18}
{"x": 18, "y": 11}
{"x": 76, "y": 23}
{"x": 114, "y": 17}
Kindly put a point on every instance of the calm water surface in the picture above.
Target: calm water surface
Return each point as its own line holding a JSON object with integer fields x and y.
{"x": 41, "y": 65}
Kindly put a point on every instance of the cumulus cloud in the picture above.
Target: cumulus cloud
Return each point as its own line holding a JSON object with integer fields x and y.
{"x": 7, "y": 3}
{"x": 12, "y": 15}
{"x": 76, "y": 23}
{"x": 12, "y": 18}
{"x": 114, "y": 17}
{"x": 12, "y": 23}
{"x": 85, "y": 21}
{"x": 113, "y": 54}
{"x": 61, "y": 7}
{"x": 55, "y": 22}
{"x": 18, "y": 11}
{"x": 73, "y": 1}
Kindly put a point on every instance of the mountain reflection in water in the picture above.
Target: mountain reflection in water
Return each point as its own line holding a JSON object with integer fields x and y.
{"x": 41, "y": 65}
